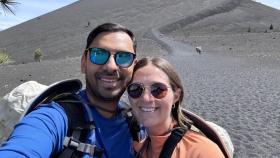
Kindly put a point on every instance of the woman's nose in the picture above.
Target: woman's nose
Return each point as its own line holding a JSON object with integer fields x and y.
{"x": 147, "y": 96}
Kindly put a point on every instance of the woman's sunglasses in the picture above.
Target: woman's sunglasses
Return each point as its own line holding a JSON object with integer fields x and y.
{"x": 158, "y": 90}
{"x": 101, "y": 56}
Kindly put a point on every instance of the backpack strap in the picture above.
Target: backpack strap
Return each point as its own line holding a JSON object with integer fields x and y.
{"x": 207, "y": 130}
{"x": 172, "y": 141}
{"x": 137, "y": 131}
{"x": 78, "y": 129}
{"x": 54, "y": 90}
{"x": 65, "y": 94}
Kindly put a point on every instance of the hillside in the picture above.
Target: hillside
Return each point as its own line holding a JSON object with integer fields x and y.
{"x": 234, "y": 82}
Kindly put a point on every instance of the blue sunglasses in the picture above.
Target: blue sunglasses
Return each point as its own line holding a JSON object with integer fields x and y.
{"x": 101, "y": 56}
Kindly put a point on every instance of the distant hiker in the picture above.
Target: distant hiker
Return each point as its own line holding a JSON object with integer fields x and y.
{"x": 155, "y": 95}
{"x": 271, "y": 27}
{"x": 198, "y": 49}
{"x": 107, "y": 62}
{"x": 88, "y": 24}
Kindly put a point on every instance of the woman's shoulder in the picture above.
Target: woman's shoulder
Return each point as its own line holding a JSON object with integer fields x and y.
{"x": 197, "y": 145}
{"x": 194, "y": 137}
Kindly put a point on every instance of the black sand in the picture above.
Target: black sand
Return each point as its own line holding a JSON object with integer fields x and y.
{"x": 233, "y": 82}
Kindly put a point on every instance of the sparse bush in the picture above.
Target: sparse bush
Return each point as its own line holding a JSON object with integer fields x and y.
{"x": 38, "y": 55}
{"x": 4, "y": 57}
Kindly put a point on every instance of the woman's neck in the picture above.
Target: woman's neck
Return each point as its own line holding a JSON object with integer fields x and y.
{"x": 161, "y": 129}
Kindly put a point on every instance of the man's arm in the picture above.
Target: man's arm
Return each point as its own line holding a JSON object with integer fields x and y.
{"x": 39, "y": 134}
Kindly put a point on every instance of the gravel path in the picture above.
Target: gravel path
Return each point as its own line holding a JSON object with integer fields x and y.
{"x": 239, "y": 93}
{"x": 235, "y": 82}
{"x": 238, "y": 88}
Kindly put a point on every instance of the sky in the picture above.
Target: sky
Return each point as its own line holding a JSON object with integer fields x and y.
{"x": 271, "y": 3}
{"x": 29, "y": 9}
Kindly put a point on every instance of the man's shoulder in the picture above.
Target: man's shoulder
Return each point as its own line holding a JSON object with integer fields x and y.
{"x": 52, "y": 108}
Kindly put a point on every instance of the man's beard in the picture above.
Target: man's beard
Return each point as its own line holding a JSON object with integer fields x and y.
{"x": 99, "y": 96}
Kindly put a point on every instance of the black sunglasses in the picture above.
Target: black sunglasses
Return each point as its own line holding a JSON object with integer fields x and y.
{"x": 101, "y": 56}
{"x": 158, "y": 90}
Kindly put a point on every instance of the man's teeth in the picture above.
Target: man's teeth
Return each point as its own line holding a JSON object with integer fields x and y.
{"x": 108, "y": 80}
{"x": 145, "y": 109}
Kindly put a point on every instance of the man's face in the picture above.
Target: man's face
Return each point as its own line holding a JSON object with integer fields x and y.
{"x": 108, "y": 81}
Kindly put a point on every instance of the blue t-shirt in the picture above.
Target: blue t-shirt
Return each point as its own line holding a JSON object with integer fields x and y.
{"x": 41, "y": 133}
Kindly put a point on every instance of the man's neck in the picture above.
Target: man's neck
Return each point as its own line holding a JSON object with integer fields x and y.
{"x": 107, "y": 109}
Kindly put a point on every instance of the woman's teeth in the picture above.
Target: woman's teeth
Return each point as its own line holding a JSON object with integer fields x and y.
{"x": 150, "y": 109}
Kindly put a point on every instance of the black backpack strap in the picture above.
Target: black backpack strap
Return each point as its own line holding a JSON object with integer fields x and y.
{"x": 65, "y": 94}
{"x": 78, "y": 129}
{"x": 73, "y": 108}
{"x": 53, "y": 91}
{"x": 76, "y": 148}
{"x": 171, "y": 142}
{"x": 132, "y": 125}
{"x": 137, "y": 132}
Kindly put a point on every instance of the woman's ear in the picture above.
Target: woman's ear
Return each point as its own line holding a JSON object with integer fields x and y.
{"x": 177, "y": 95}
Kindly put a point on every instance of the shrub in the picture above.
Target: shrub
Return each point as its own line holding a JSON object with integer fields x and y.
{"x": 4, "y": 57}
{"x": 38, "y": 55}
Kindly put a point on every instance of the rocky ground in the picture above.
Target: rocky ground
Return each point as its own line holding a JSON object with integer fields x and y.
{"x": 233, "y": 82}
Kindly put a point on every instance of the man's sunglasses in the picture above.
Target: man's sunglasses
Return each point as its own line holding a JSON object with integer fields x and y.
{"x": 101, "y": 56}
{"x": 158, "y": 90}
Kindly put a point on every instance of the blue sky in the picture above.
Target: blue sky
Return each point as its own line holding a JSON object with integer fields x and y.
{"x": 271, "y": 3}
{"x": 29, "y": 9}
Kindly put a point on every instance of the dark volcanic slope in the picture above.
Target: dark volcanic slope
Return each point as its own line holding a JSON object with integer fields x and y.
{"x": 238, "y": 74}
{"x": 234, "y": 82}
{"x": 244, "y": 29}
{"x": 62, "y": 33}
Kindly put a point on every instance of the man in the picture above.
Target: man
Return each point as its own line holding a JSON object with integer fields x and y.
{"x": 107, "y": 63}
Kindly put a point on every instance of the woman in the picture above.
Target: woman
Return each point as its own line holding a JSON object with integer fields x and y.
{"x": 155, "y": 94}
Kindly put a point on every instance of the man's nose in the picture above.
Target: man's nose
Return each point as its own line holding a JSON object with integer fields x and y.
{"x": 111, "y": 64}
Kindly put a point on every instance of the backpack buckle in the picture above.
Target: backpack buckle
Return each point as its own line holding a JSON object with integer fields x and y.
{"x": 86, "y": 148}
{"x": 69, "y": 142}
{"x": 92, "y": 150}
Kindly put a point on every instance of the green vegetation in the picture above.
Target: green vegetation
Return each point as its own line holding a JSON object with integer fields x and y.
{"x": 4, "y": 57}
{"x": 7, "y": 5}
{"x": 38, "y": 55}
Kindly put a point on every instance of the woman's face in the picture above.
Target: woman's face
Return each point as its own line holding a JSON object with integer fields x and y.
{"x": 153, "y": 113}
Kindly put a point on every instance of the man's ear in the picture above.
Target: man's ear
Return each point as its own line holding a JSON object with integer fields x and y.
{"x": 84, "y": 62}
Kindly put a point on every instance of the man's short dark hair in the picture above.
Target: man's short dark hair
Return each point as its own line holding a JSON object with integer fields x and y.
{"x": 110, "y": 27}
